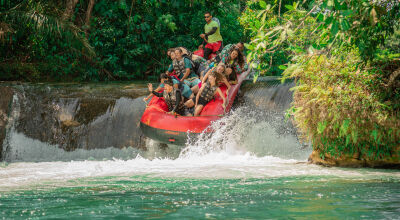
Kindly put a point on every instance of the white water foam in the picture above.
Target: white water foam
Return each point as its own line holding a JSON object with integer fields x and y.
{"x": 243, "y": 146}
{"x": 246, "y": 130}
{"x": 210, "y": 166}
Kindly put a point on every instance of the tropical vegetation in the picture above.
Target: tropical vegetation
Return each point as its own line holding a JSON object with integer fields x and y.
{"x": 88, "y": 40}
{"x": 345, "y": 58}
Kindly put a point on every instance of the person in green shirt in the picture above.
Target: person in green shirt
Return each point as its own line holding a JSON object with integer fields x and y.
{"x": 211, "y": 36}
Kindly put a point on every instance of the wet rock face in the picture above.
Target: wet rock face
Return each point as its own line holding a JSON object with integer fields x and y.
{"x": 6, "y": 94}
{"x": 80, "y": 117}
{"x": 269, "y": 95}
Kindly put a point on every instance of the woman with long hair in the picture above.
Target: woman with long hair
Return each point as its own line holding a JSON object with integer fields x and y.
{"x": 235, "y": 59}
{"x": 206, "y": 94}
{"x": 218, "y": 70}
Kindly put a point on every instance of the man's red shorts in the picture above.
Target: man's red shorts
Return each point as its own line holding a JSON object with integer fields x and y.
{"x": 214, "y": 46}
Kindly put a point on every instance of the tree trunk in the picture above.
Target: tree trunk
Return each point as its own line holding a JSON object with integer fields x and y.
{"x": 69, "y": 9}
{"x": 89, "y": 14}
{"x": 130, "y": 15}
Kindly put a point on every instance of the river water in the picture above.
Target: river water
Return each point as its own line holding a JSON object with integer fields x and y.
{"x": 252, "y": 167}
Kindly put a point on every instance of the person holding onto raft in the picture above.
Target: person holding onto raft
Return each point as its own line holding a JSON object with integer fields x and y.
{"x": 172, "y": 96}
{"x": 171, "y": 54}
{"x": 211, "y": 36}
{"x": 234, "y": 59}
{"x": 183, "y": 69}
{"x": 226, "y": 51}
{"x": 219, "y": 70}
{"x": 230, "y": 75}
{"x": 185, "y": 90}
{"x": 206, "y": 94}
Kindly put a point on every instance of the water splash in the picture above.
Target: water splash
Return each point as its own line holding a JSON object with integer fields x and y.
{"x": 247, "y": 130}
{"x": 246, "y": 144}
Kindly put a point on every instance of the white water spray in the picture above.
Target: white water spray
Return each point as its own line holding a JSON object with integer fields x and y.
{"x": 248, "y": 131}
{"x": 241, "y": 147}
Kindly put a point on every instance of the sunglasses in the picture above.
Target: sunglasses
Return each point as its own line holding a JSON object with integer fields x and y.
{"x": 206, "y": 16}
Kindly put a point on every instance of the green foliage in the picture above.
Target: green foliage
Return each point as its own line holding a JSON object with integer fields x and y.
{"x": 344, "y": 56}
{"x": 340, "y": 108}
{"x": 274, "y": 40}
{"x": 364, "y": 24}
{"x": 125, "y": 39}
{"x": 321, "y": 25}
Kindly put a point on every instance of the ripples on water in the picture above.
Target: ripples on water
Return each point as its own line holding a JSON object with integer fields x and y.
{"x": 252, "y": 167}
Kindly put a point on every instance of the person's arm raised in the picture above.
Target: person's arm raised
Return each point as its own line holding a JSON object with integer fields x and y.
{"x": 151, "y": 94}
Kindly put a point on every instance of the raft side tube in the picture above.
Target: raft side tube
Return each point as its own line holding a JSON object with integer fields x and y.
{"x": 166, "y": 136}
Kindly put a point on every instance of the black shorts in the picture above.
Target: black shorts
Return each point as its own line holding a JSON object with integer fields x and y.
{"x": 183, "y": 112}
{"x": 200, "y": 102}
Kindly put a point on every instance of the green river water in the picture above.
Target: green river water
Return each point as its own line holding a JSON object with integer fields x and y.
{"x": 251, "y": 168}
{"x": 230, "y": 192}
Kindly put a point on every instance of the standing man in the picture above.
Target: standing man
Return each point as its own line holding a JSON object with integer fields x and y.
{"x": 211, "y": 36}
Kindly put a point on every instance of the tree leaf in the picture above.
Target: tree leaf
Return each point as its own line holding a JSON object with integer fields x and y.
{"x": 344, "y": 127}
{"x": 345, "y": 24}
{"x": 334, "y": 28}
{"x": 374, "y": 134}
{"x": 289, "y": 7}
{"x": 320, "y": 17}
{"x": 346, "y": 13}
{"x": 354, "y": 135}
{"x": 282, "y": 67}
{"x": 337, "y": 5}
{"x": 322, "y": 126}
{"x": 263, "y": 4}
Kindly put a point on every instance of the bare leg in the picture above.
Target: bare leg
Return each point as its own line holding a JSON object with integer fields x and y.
{"x": 189, "y": 103}
{"x": 195, "y": 89}
{"x": 198, "y": 110}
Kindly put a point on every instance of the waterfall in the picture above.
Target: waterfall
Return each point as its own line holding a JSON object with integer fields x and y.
{"x": 55, "y": 122}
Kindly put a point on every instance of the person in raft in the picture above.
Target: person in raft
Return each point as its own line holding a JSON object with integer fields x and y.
{"x": 183, "y": 69}
{"x": 185, "y": 90}
{"x": 172, "y": 96}
{"x": 234, "y": 59}
{"x": 171, "y": 54}
{"x": 226, "y": 51}
{"x": 211, "y": 36}
{"x": 218, "y": 70}
{"x": 206, "y": 94}
{"x": 230, "y": 75}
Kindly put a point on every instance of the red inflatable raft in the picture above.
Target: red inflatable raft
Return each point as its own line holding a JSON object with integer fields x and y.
{"x": 201, "y": 53}
{"x": 158, "y": 125}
